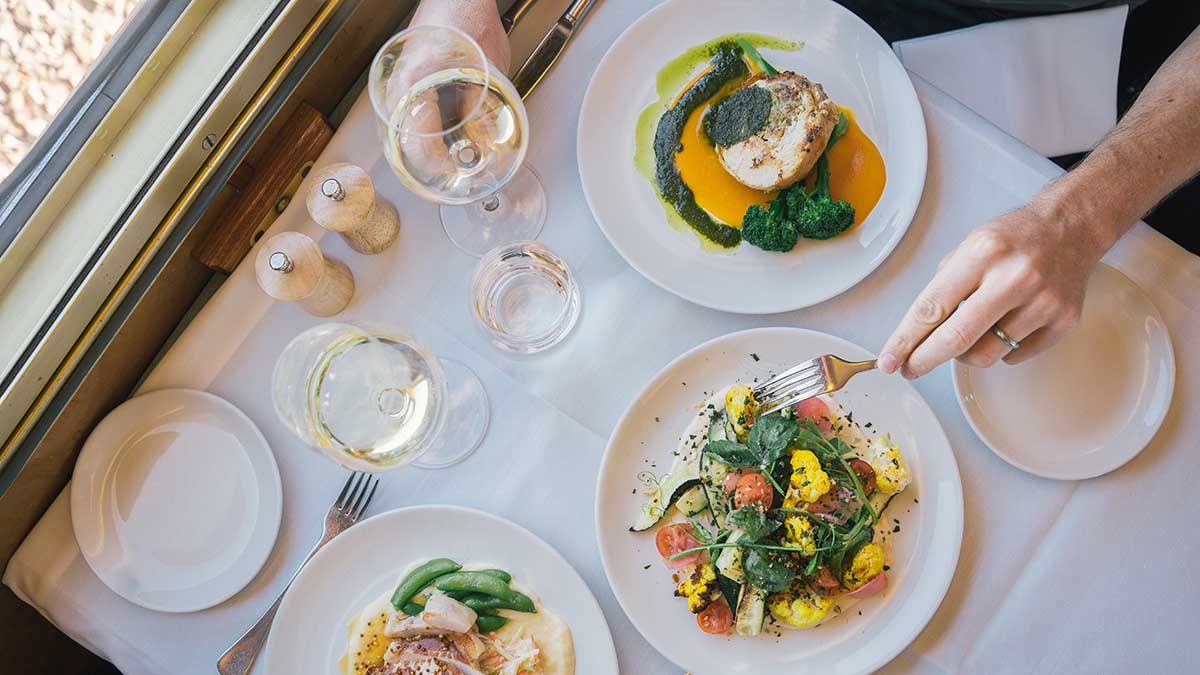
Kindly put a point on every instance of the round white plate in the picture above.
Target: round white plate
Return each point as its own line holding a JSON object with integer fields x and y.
{"x": 857, "y": 69}
{"x": 176, "y": 500}
{"x": 1090, "y": 403}
{"x": 924, "y": 553}
{"x": 309, "y": 634}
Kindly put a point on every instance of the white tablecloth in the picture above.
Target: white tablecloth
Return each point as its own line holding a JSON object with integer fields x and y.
{"x": 1053, "y": 577}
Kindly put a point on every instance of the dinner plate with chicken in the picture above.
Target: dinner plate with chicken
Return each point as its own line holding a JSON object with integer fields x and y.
{"x": 819, "y": 538}
{"x": 439, "y": 590}
{"x": 775, "y": 144}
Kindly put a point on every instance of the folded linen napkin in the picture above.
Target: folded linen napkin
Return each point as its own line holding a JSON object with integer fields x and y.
{"x": 1049, "y": 81}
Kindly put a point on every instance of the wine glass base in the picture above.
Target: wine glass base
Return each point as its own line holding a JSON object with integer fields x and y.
{"x": 515, "y": 212}
{"x": 467, "y": 416}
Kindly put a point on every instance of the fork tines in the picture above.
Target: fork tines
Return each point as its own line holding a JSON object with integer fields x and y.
{"x": 793, "y": 385}
{"x": 356, "y": 494}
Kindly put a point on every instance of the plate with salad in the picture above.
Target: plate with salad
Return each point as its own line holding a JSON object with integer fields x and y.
{"x": 822, "y": 537}
{"x": 439, "y": 590}
{"x": 753, "y": 144}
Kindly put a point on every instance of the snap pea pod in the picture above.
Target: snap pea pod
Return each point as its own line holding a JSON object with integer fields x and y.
{"x": 501, "y": 574}
{"x": 459, "y": 595}
{"x": 421, "y": 577}
{"x": 474, "y": 582}
{"x": 516, "y": 601}
{"x": 489, "y": 624}
{"x": 412, "y": 608}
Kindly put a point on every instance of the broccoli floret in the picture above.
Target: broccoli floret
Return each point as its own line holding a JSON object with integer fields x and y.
{"x": 796, "y": 212}
{"x": 768, "y": 228}
{"x": 821, "y": 217}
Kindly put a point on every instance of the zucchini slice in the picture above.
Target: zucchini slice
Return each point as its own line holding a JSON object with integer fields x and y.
{"x": 729, "y": 561}
{"x": 748, "y": 619}
{"x": 684, "y": 475}
{"x": 712, "y": 474}
{"x": 729, "y": 589}
{"x": 693, "y": 500}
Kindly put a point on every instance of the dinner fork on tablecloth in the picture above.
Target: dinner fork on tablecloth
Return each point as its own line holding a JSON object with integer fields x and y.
{"x": 356, "y": 495}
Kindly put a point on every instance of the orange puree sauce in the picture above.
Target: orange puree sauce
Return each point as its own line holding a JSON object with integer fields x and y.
{"x": 856, "y": 168}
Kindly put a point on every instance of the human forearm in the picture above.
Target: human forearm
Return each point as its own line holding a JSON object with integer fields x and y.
{"x": 1153, "y": 150}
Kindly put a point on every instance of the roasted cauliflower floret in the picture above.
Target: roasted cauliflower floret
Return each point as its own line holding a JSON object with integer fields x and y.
{"x": 697, "y": 588}
{"x": 891, "y": 471}
{"x": 798, "y": 532}
{"x": 809, "y": 479}
{"x": 866, "y": 565}
{"x": 741, "y": 408}
{"x": 799, "y": 605}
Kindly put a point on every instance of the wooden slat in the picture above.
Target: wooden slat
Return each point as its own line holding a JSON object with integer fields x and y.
{"x": 300, "y": 140}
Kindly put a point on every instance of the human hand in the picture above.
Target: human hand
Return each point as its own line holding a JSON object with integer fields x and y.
{"x": 1025, "y": 272}
{"x": 478, "y": 18}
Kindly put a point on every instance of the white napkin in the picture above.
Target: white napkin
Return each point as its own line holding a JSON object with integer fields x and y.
{"x": 1050, "y": 81}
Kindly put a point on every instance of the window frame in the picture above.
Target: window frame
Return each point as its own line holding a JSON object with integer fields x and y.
{"x": 254, "y": 81}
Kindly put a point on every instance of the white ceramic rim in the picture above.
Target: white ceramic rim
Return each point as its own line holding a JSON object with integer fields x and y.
{"x": 666, "y": 374}
{"x": 270, "y": 501}
{"x": 905, "y": 212}
{"x": 1101, "y": 469}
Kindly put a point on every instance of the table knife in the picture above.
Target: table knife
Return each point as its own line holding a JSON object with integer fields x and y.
{"x": 551, "y": 46}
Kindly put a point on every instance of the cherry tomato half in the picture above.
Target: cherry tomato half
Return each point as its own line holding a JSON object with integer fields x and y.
{"x": 753, "y": 489}
{"x": 866, "y": 474}
{"x": 715, "y": 619}
{"x": 672, "y": 539}
{"x": 824, "y": 582}
{"x": 816, "y": 410}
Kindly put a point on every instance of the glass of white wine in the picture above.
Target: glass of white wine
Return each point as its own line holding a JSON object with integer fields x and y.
{"x": 375, "y": 399}
{"x": 455, "y": 131}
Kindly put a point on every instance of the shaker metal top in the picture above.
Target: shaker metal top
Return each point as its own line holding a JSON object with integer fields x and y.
{"x": 332, "y": 188}
{"x": 280, "y": 262}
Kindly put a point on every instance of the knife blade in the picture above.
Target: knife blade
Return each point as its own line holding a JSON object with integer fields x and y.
{"x": 550, "y": 48}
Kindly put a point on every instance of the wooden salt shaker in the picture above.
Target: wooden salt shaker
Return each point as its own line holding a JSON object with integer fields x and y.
{"x": 343, "y": 200}
{"x": 291, "y": 267}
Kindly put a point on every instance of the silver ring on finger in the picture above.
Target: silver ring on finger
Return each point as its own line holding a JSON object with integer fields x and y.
{"x": 1004, "y": 337}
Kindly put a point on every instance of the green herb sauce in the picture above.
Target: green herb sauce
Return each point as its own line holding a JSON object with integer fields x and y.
{"x": 680, "y": 205}
{"x": 738, "y": 116}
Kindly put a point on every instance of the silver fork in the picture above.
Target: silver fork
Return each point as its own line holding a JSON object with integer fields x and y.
{"x": 356, "y": 495}
{"x": 811, "y": 378}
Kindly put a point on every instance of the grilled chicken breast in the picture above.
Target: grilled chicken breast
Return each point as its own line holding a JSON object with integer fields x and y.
{"x": 795, "y": 134}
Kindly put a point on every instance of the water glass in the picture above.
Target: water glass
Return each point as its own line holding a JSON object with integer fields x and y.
{"x": 525, "y": 298}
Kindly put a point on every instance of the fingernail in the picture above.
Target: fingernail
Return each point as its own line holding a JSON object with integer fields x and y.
{"x": 887, "y": 363}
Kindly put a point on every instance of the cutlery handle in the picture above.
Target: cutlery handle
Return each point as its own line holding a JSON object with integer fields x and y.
{"x": 238, "y": 659}
{"x": 576, "y": 12}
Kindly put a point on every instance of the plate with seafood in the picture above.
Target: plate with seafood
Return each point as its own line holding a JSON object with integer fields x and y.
{"x": 439, "y": 590}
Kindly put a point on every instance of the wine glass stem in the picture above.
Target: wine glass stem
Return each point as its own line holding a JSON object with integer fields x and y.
{"x": 490, "y": 203}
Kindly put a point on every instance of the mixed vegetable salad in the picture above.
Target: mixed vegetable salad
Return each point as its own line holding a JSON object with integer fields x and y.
{"x": 778, "y": 512}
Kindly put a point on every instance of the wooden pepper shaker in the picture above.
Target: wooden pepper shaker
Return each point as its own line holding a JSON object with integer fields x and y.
{"x": 291, "y": 267}
{"x": 343, "y": 200}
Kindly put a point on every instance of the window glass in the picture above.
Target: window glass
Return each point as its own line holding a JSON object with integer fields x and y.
{"x": 47, "y": 47}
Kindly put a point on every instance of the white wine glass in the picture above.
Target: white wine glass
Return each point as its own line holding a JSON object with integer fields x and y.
{"x": 455, "y": 132}
{"x": 375, "y": 399}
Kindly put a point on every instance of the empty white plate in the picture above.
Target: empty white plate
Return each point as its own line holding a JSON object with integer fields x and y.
{"x": 176, "y": 500}
{"x": 1090, "y": 403}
